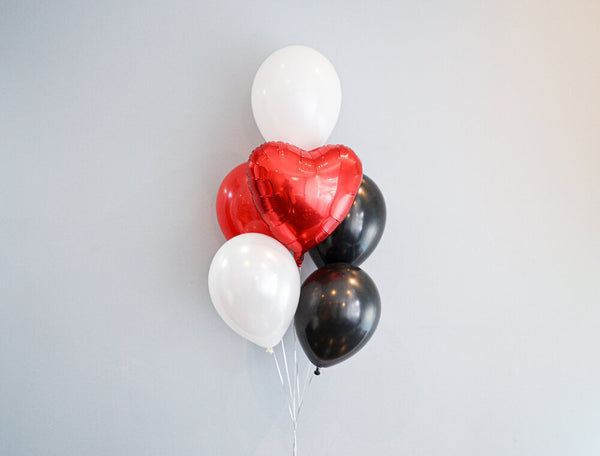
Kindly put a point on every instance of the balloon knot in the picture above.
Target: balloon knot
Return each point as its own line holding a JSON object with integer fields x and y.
{"x": 317, "y": 371}
{"x": 270, "y": 350}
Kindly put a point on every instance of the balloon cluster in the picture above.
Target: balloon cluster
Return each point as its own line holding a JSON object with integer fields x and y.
{"x": 297, "y": 195}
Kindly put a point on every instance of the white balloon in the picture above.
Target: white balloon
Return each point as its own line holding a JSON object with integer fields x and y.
{"x": 254, "y": 284}
{"x": 296, "y": 97}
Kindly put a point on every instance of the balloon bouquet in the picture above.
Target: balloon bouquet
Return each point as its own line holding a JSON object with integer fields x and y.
{"x": 296, "y": 195}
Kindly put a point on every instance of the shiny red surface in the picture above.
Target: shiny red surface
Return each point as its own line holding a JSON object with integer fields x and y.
{"x": 303, "y": 195}
{"x": 236, "y": 212}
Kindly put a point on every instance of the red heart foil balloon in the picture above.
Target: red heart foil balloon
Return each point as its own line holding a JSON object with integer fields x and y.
{"x": 236, "y": 212}
{"x": 303, "y": 195}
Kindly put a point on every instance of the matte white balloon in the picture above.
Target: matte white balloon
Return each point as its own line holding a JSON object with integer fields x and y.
{"x": 254, "y": 285}
{"x": 296, "y": 97}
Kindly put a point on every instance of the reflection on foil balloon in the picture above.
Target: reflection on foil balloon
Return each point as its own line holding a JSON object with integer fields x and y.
{"x": 236, "y": 212}
{"x": 338, "y": 312}
{"x": 303, "y": 195}
{"x": 358, "y": 235}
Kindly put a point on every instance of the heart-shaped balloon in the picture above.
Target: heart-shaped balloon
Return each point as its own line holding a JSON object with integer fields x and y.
{"x": 303, "y": 195}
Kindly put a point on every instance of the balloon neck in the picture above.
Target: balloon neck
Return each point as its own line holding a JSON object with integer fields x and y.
{"x": 299, "y": 259}
{"x": 270, "y": 350}
{"x": 317, "y": 371}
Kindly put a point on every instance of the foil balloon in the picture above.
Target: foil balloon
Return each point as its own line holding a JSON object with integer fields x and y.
{"x": 358, "y": 235}
{"x": 338, "y": 312}
{"x": 303, "y": 195}
{"x": 236, "y": 212}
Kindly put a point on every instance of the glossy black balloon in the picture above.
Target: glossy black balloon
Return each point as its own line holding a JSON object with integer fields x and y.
{"x": 338, "y": 312}
{"x": 358, "y": 234}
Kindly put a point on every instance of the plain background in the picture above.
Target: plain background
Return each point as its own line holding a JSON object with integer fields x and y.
{"x": 480, "y": 121}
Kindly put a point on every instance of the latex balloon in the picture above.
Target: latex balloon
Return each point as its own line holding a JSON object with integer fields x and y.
{"x": 236, "y": 212}
{"x": 296, "y": 97}
{"x": 254, "y": 285}
{"x": 303, "y": 196}
{"x": 360, "y": 231}
{"x": 338, "y": 312}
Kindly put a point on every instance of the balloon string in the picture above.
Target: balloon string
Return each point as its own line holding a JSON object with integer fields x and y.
{"x": 283, "y": 386}
{"x": 292, "y": 391}
{"x": 307, "y": 383}
{"x": 296, "y": 388}
{"x": 296, "y": 379}
{"x": 287, "y": 373}
{"x": 292, "y": 397}
{"x": 295, "y": 442}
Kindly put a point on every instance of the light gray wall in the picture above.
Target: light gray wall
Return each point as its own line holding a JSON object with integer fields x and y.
{"x": 480, "y": 121}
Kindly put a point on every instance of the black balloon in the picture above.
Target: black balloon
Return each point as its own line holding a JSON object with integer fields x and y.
{"x": 338, "y": 312}
{"x": 358, "y": 234}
